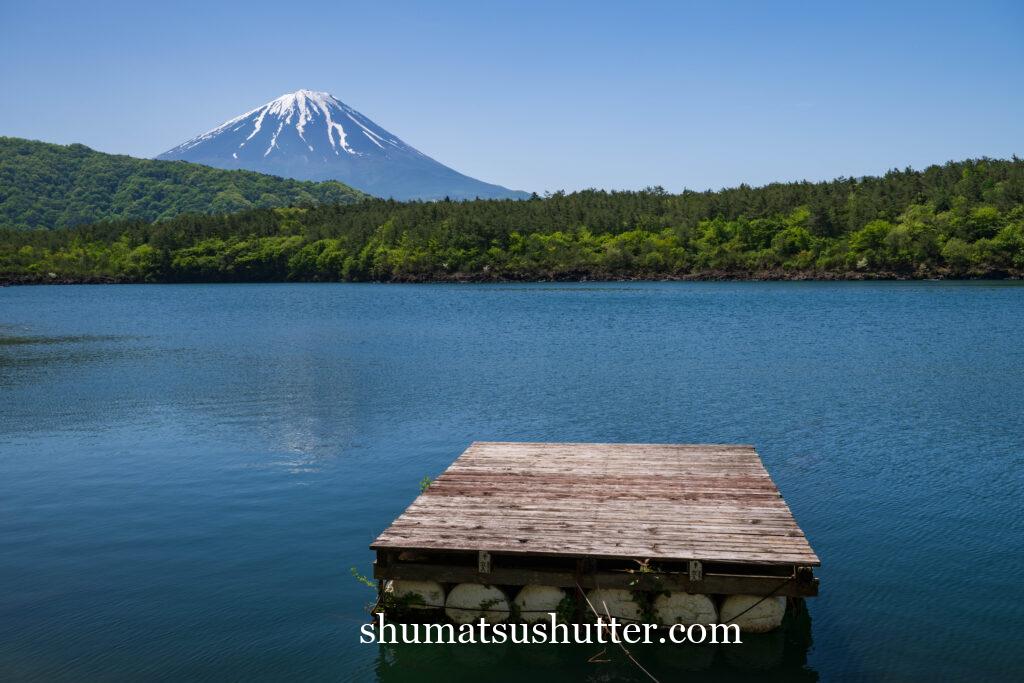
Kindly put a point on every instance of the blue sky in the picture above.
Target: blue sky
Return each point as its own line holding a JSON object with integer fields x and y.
{"x": 543, "y": 96}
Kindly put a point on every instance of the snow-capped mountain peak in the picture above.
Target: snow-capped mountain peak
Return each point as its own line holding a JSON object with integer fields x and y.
{"x": 325, "y": 119}
{"x": 312, "y": 135}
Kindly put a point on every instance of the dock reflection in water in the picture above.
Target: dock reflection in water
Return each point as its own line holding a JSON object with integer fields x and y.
{"x": 777, "y": 656}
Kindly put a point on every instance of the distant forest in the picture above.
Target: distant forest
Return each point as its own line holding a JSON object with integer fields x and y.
{"x": 961, "y": 219}
{"x": 57, "y": 186}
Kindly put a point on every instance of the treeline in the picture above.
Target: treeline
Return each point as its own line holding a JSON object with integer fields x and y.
{"x": 55, "y": 186}
{"x": 957, "y": 220}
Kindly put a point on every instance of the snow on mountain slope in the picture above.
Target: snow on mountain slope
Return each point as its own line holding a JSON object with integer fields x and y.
{"x": 312, "y": 135}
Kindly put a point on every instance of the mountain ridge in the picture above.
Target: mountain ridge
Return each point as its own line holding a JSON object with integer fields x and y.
{"x": 312, "y": 135}
{"x": 45, "y": 185}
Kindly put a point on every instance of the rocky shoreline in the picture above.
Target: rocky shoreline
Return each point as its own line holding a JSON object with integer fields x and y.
{"x": 702, "y": 276}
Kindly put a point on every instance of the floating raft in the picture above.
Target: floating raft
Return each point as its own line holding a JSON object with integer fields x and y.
{"x": 704, "y": 519}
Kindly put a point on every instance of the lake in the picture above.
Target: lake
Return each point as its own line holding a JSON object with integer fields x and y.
{"x": 189, "y": 472}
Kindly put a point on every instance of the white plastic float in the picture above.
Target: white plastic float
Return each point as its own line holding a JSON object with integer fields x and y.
{"x": 684, "y": 608}
{"x": 469, "y": 602}
{"x": 615, "y": 602}
{"x": 416, "y": 594}
{"x": 764, "y": 615}
{"x": 534, "y": 602}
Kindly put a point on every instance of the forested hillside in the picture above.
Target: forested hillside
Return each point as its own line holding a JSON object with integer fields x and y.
{"x": 56, "y": 186}
{"x": 956, "y": 220}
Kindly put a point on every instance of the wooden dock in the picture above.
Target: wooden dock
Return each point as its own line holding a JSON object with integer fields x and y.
{"x": 700, "y": 518}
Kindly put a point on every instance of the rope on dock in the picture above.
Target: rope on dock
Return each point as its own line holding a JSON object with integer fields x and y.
{"x": 772, "y": 594}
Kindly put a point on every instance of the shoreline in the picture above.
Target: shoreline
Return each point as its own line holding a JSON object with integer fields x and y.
{"x": 483, "y": 278}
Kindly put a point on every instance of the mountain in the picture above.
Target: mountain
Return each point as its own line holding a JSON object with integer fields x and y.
{"x": 54, "y": 186}
{"x": 314, "y": 136}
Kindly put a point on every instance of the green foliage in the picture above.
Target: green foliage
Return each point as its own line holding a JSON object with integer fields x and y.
{"x": 960, "y": 219}
{"x": 488, "y": 605}
{"x": 425, "y": 483}
{"x": 387, "y": 601}
{"x": 643, "y": 567}
{"x": 363, "y": 579}
{"x": 565, "y": 611}
{"x": 55, "y": 186}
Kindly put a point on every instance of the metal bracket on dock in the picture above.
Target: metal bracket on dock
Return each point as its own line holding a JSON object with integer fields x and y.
{"x": 696, "y": 570}
{"x": 483, "y": 562}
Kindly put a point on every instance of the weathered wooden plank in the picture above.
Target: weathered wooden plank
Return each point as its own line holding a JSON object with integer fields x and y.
{"x": 655, "y": 545}
{"x": 618, "y": 551}
{"x": 607, "y": 490}
{"x": 650, "y": 501}
{"x": 600, "y": 547}
{"x": 638, "y": 517}
{"x": 542, "y": 499}
{"x": 556, "y": 521}
{"x": 552, "y": 524}
{"x": 662, "y": 481}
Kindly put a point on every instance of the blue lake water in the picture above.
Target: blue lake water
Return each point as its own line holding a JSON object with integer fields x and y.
{"x": 187, "y": 473}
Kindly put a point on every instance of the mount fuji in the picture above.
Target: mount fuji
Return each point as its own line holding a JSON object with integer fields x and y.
{"x": 311, "y": 135}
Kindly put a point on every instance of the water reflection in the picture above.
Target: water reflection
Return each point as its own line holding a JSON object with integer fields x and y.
{"x": 777, "y": 656}
{"x": 35, "y": 351}
{"x": 43, "y": 340}
{"x": 77, "y": 379}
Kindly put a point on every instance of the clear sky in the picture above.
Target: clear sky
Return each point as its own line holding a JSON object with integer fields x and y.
{"x": 546, "y": 95}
